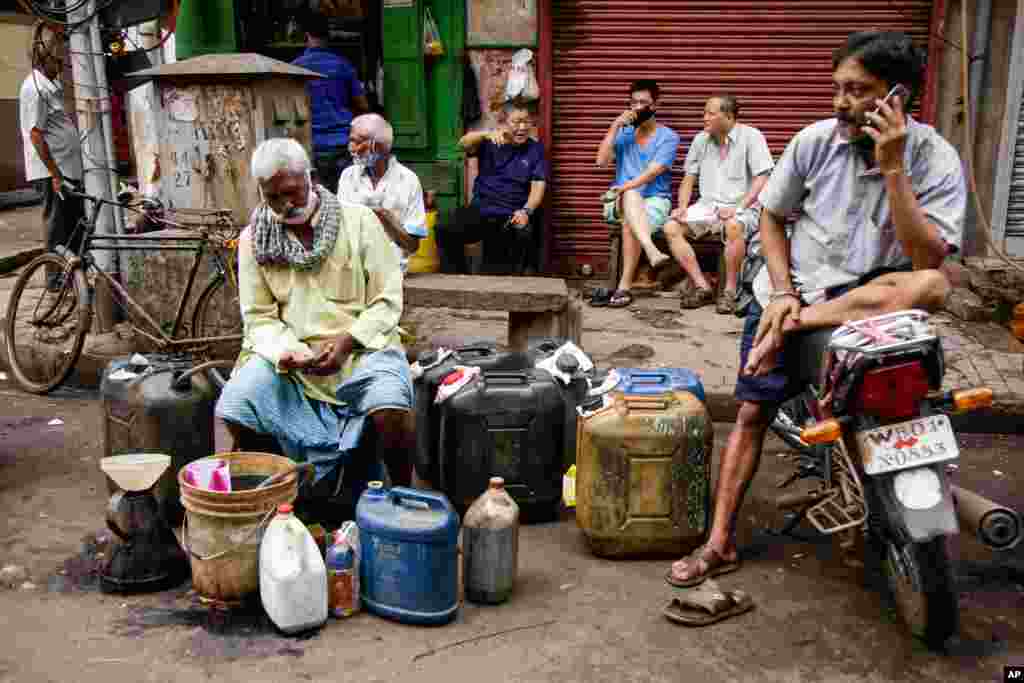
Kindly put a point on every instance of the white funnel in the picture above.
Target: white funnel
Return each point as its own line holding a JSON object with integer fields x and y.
{"x": 135, "y": 471}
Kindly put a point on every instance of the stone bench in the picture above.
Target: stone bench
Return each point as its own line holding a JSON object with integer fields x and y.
{"x": 536, "y": 306}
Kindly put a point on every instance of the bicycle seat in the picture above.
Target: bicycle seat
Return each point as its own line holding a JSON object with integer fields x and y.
{"x": 805, "y": 353}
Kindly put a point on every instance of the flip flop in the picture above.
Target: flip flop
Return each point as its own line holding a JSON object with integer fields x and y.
{"x": 600, "y": 296}
{"x": 723, "y": 567}
{"x": 702, "y": 608}
{"x": 620, "y": 298}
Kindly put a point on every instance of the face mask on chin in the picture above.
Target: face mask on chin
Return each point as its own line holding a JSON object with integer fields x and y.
{"x": 368, "y": 160}
{"x": 298, "y": 215}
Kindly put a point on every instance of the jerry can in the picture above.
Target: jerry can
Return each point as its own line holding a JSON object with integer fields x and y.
{"x": 428, "y": 413}
{"x": 643, "y": 475}
{"x": 509, "y": 425}
{"x": 408, "y": 570}
{"x": 648, "y": 381}
{"x": 162, "y": 408}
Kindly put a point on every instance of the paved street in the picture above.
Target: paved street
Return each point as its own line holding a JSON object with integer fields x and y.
{"x": 574, "y": 617}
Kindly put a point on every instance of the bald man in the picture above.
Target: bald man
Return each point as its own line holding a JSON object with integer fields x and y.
{"x": 377, "y": 180}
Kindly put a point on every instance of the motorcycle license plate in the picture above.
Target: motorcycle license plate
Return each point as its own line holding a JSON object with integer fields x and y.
{"x": 894, "y": 447}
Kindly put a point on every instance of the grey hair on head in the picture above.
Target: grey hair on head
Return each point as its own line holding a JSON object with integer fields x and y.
{"x": 377, "y": 128}
{"x": 276, "y": 155}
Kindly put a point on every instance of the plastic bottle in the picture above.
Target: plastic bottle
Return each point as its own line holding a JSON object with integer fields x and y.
{"x": 490, "y": 545}
{"x": 293, "y": 578}
{"x": 343, "y": 572}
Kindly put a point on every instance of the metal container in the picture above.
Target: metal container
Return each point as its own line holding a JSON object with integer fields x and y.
{"x": 643, "y": 475}
{"x": 490, "y": 545}
{"x": 409, "y": 568}
{"x": 162, "y": 408}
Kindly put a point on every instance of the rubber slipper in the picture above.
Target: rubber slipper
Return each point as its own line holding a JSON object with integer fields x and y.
{"x": 723, "y": 567}
{"x": 600, "y": 296}
{"x": 620, "y": 299}
{"x": 702, "y": 608}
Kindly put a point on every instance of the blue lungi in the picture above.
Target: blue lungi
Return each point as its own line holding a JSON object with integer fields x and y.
{"x": 265, "y": 401}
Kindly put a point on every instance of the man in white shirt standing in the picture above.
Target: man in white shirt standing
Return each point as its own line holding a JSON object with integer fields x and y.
{"x": 53, "y": 151}
{"x": 377, "y": 180}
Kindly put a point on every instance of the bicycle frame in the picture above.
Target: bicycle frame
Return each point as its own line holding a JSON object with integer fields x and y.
{"x": 93, "y": 242}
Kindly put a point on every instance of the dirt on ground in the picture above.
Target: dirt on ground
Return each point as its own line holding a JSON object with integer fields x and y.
{"x": 573, "y": 617}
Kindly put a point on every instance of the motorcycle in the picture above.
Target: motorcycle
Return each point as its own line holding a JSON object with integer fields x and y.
{"x": 873, "y": 429}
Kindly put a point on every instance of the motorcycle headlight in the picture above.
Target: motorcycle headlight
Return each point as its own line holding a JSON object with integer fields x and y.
{"x": 917, "y": 489}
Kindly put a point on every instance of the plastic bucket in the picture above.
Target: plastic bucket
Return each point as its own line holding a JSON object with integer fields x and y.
{"x": 222, "y": 531}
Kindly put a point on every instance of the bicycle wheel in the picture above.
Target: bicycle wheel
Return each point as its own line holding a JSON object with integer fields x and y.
{"x": 219, "y": 313}
{"x": 47, "y": 319}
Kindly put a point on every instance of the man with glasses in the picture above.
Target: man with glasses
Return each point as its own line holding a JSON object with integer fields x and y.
{"x": 508, "y": 191}
{"x": 643, "y": 151}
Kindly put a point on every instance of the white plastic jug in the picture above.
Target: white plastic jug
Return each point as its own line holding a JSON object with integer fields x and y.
{"x": 293, "y": 578}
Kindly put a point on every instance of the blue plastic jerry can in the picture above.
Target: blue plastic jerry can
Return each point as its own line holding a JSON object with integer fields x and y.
{"x": 409, "y": 565}
{"x": 647, "y": 381}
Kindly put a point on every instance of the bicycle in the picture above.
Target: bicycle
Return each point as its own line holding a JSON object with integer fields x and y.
{"x": 51, "y": 306}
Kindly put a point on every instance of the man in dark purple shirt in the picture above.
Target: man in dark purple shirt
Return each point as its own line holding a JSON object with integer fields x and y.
{"x": 509, "y": 189}
{"x": 334, "y": 99}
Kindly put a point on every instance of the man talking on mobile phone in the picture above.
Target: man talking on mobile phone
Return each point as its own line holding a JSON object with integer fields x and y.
{"x": 883, "y": 200}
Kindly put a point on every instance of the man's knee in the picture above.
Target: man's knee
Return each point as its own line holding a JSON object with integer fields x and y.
{"x": 931, "y": 289}
{"x": 674, "y": 230}
{"x": 755, "y": 416}
{"x": 256, "y": 375}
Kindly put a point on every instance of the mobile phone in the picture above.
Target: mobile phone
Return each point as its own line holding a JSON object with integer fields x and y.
{"x": 898, "y": 90}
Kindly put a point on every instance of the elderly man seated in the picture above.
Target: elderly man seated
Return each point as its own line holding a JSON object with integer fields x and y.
{"x": 321, "y": 294}
{"x": 732, "y": 161}
{"x": 376, "y": 180}
{"x": 508, "y": 189}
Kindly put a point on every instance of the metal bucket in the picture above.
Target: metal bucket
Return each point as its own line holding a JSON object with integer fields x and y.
{"x": 222, "y": 531}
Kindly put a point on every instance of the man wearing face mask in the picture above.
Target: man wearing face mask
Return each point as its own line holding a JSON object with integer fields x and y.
{"x": 883, "y": 200}
{"x": 507, "y": 193}
{"x": 643, "y": 151}
{"x": 321, "y": 293}
{"x": 377, "y": 180}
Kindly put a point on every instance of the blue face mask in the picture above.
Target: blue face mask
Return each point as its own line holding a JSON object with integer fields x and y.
{"x": 368, "y": 160}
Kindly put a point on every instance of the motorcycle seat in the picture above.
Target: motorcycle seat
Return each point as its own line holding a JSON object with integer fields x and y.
{"x": 805, "y": 354}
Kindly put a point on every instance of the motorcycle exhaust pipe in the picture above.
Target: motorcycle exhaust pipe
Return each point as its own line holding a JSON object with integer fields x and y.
{"x": 996, "y": 526}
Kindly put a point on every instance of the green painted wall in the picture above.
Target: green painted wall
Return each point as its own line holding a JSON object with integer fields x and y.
{"x": 205, "y": 27}
{"x": 423, "y": 96}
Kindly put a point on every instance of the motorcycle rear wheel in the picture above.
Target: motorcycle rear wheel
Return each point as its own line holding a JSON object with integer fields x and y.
{"x": 921, "y": 579}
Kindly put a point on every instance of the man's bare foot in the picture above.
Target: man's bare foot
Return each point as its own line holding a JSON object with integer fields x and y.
{"x": 702, "y": 563}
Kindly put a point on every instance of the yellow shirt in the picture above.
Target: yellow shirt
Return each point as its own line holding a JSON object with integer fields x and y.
{"x": 356, "y": 289}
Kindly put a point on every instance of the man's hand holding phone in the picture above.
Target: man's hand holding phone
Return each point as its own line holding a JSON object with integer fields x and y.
{"x": 887, "y": 126}
{"x": 626, "y": 118}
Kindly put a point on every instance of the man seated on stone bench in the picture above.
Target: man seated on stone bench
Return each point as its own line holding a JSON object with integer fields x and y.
{"x": 508, "y": 190}
{"x": 377, "y": 180}
{"x": 321, "y": 292}
{"x": 733, "y": 163}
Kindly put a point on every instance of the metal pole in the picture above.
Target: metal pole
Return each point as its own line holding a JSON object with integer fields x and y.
{"x": 88, "y": 101}
{"x": 106, "y": 117}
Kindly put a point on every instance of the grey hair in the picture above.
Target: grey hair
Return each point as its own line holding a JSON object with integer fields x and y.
{"x": 378, "y": 128}
{"x": 278, "y": 154}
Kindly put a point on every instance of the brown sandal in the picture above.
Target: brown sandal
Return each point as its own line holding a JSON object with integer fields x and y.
{"x": 701, "y": 559}
{"x": 696, "y": 298}
{"x": 703, "y": 607}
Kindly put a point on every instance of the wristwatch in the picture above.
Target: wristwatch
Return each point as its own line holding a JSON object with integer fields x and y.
{"x": 527, "y": 210}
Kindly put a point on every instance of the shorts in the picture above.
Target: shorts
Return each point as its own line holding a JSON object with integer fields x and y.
{"x": 658, "y": 209}
{"x": 698, "y": 227}
{"x": 777, "y": 385}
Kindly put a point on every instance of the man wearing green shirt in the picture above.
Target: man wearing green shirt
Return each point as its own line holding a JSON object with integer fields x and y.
{"x": 320, "y": 289}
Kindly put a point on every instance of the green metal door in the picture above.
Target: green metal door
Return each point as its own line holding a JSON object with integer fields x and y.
{"x": 405, "y": 89}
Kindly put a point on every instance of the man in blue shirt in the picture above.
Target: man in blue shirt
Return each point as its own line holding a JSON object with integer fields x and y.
{"x": 334, "y": 100}
{"x": 643, "y": 151}
{"x": 509, "y": 188}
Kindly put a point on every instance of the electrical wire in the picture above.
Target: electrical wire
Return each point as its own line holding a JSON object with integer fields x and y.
{"x": 969, "y": 147}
